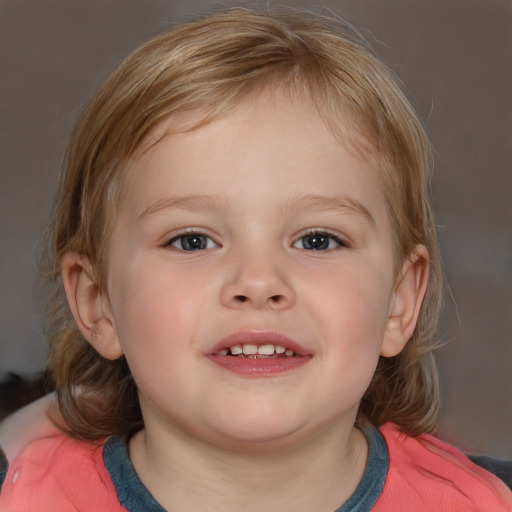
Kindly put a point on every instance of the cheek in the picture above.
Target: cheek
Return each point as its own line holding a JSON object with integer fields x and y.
{"x": 152, "y": 309}
{"x": 351, "y": 309}
{"x": 154, "y": 321}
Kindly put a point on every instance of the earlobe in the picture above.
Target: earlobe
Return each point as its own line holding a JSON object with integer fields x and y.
{"x": 406, "y": 302}
{"x": 89, "y": 306}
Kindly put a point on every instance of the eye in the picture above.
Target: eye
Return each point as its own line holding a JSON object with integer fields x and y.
{"x": 318, "y": 241}
{"x": 192, "y": 242}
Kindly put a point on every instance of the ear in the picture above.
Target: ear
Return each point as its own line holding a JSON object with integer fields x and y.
{"x": 408, "y": 295}
{"x": 90, "y": 306}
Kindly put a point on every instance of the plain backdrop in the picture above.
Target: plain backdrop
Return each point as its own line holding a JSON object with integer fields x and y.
{"x": 455, "y": 58}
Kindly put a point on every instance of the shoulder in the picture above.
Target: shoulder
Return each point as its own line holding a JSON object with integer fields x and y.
{"x": 434, "y": 475}
{"x": 58, "y": 473}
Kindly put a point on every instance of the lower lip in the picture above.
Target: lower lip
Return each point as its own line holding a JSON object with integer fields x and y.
{"x": 259, "y": 367}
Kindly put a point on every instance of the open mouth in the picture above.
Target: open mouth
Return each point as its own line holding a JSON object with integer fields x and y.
{"x": 252, "y": 351}
{"x": 259, "y": 354}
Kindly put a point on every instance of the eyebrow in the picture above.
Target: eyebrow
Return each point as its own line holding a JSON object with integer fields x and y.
{"x": 296, "y": 204}
{"x": 192, "y": 203}
{"x": 334, "y": 203}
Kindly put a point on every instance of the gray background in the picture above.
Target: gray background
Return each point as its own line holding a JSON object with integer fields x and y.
{"x": 454, "y": 54}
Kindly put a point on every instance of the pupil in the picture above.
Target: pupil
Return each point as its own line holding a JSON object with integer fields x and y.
{"x": 316, "y": 242}
{"x": 193, "y": 242}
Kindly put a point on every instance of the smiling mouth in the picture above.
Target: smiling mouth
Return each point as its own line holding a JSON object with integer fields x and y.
{"x": 259, "y": 354}
{"x": 252, "y": 351}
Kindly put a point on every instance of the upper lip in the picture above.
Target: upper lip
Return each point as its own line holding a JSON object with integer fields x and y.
{"x": 258, "y": 337}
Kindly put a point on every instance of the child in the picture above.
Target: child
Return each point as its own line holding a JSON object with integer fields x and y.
{"x": 245, "y": 241}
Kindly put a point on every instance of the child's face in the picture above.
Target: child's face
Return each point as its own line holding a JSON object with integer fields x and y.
{"x": 259, "y": 228}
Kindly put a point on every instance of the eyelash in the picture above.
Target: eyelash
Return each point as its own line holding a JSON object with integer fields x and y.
{"x": 323, "y": 236}
{"x": 210, "y": 243}
{"x": 199, "y": 241}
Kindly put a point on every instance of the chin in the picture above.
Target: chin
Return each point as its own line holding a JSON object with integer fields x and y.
{"x": 260, "y": 433}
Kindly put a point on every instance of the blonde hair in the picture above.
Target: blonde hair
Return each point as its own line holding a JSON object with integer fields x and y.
{"x": 209, "y": 66}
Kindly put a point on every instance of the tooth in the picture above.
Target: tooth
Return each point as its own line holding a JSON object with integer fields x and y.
{"x": 266, "y": 350}
{"x": 236, "y": 350}
{"x": 249, "y": 349}
{"x": 279, "y": 349}
{"x": 289, "y": 352}
{"x": 223, "y": 352}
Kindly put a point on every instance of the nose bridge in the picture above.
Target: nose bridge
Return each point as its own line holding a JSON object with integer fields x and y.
{"x": 258, "y": 279}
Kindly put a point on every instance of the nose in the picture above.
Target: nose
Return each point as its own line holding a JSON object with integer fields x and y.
{"x": 258, "y": 281}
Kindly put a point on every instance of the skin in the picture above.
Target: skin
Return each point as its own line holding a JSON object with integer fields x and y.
{"x": 255, "y": 186}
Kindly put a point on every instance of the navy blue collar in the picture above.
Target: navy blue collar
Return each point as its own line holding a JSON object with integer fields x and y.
{"x": 134, "y": 496}
{"x": 370, "y": 487}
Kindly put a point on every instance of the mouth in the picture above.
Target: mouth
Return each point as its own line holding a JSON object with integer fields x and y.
{"x": 252, "y": 351}
{"x": 256, "y": 353}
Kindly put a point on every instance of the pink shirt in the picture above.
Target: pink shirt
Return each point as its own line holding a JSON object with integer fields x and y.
{"x": 427, "y": 475}
{"x": 424, "y": 475}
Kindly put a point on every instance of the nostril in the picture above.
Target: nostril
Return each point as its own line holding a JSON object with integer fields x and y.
{"x": 272, "y": 301}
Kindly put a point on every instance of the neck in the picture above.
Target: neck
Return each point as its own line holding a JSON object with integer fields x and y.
{"x": 183, "y": 474}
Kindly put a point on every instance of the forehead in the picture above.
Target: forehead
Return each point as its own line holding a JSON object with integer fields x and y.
{"x": 352, "y": 129}
{"x": 280, "y": 137}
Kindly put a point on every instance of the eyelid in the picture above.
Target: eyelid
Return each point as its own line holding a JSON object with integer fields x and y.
{"x": 340, "y": 239}
{"x": 177, "y": 234}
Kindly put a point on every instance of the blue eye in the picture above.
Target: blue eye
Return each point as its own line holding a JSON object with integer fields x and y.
{"x": 318, "y": 241}
{"x": 192, "y": 242}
